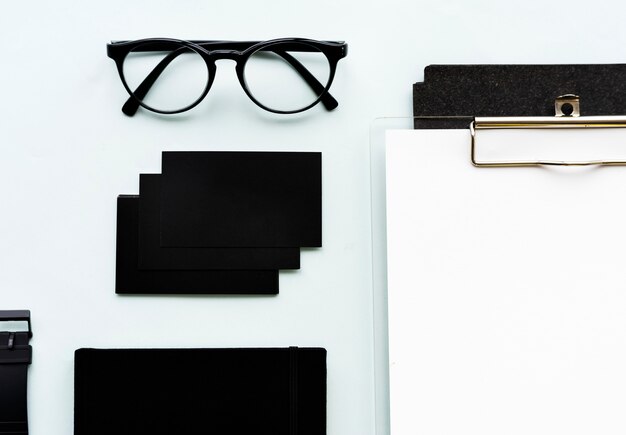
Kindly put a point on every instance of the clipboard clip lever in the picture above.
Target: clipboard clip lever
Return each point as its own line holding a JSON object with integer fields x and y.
{"x": 567, "y": 115}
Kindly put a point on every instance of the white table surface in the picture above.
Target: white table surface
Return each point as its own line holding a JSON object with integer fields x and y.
{"x": 68, "y": 151}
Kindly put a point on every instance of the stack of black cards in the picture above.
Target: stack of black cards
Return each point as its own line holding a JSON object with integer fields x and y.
{"x": 219, "y": 222}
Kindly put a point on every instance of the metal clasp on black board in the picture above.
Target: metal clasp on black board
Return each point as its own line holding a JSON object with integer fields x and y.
{"x": 567, "y": 115}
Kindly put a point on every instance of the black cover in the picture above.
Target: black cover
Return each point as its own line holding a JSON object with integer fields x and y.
{"x": 130, "y": 280}
{"x": 515, "y": 90}
{"x": 200, "y": 391}
{"x": 241, "y": 199}
{"x": 154, "y": 257}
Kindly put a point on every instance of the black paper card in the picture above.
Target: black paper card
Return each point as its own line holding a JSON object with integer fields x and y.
{"x": 200, "y": 391}
{"x": 153, "y": 257}
{"x": 241, "y": 199}
{"x": 130, "y": 280}
{"x": 515, "y": 90}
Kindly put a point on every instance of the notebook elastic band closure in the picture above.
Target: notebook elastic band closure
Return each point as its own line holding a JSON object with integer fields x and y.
{"x": 293, "y": 391}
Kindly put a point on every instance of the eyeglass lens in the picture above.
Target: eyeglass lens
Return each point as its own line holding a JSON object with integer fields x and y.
{"x": 179, "y": 75}
{"x": 273, "y": 78}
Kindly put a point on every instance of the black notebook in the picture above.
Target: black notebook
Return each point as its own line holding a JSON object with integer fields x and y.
{"x": 200, "y": 391}
{"x": 153, "y": 256}
{"x": 241, "y": 199}
{"x": 130, "y": 280}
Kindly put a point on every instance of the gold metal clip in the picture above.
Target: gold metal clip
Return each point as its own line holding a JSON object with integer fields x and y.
{"x": 567, "y": 115}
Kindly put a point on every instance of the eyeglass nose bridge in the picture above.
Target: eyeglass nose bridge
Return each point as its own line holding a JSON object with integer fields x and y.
{"x": 225, "y": 54}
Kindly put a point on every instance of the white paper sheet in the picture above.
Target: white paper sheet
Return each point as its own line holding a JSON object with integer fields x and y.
{"x": 506, "y": 291}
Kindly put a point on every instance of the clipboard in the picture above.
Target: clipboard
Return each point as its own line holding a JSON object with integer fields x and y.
{"x": 453, "y": 121}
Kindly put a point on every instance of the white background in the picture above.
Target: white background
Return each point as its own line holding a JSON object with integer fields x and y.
{"x": 67, "y": 151}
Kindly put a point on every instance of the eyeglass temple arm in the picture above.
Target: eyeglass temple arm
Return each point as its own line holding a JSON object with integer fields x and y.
{"x": 131, "y": 105}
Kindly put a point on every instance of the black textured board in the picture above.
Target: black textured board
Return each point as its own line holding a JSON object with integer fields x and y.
{"x": 154, "y": 257}
{"x": 515, "y": 90}
{"x": 130, "y": 280}
{"x": 200, "y": 391}
{"x": 241, "y": 199}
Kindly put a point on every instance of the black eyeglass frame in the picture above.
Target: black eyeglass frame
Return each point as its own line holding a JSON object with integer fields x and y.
{"x": 240, "y": 52}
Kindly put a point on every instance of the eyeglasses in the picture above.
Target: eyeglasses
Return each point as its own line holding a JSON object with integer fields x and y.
{"x": 288, "y": 75}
